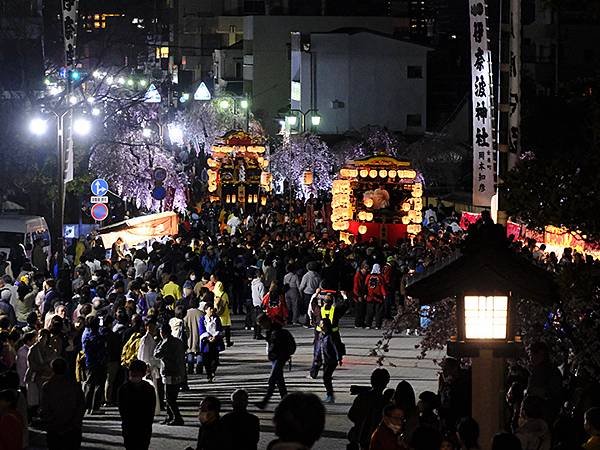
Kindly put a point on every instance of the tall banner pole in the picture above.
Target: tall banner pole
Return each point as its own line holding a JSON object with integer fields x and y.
{"x": 484, "y": 165}
{"x": 514, "y": 114}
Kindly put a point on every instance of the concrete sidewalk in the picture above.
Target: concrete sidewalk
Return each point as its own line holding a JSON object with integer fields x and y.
{"x": 245, "y": 366}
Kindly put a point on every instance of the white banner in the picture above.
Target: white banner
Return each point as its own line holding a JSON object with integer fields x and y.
{"x": 484, "y": 166}
{"x": 514, "y": 114}
{"x": 69, "y": 18}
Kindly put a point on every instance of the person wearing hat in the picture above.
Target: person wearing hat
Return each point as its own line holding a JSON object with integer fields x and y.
{"x": 376, "y": 293}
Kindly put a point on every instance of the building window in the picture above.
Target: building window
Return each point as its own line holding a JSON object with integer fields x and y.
{"x": 414, "y": 72}
{"x": 162, "y": 52}
{"x": 413, "y": 120}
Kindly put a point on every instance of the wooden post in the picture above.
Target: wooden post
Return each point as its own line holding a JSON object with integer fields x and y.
{"x": 487, "y": 395}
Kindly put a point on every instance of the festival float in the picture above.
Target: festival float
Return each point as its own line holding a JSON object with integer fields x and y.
{"x": 377, "y": 197}
{"x": 238, "y": 172}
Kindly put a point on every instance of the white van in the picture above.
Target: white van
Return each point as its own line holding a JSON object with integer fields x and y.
{"x": 16, "y": 229}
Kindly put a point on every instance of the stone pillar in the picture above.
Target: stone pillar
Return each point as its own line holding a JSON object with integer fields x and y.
{"x": 487, "y": 392}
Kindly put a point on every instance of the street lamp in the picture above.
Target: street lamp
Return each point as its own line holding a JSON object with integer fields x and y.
{"x": 82, "y": 126}
{"x": 175, "y": 134}
{"x": 146, "y": 132}
{"x": 292, "y": 120}
{"x": 224, "y": 104}
{"x": 38, "y": 126}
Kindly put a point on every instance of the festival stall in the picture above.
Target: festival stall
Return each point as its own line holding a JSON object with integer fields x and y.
{"x": 238, "y": 172}
{"x": 556, "y": 239}
{"x": 141, "y": 229}
{"x": 377, "y": 197}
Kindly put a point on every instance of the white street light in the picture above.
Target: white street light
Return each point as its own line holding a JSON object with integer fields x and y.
{"x": 224, "y": 104}
{"x": 121, "y": 80}
{"x": 91, "y": 100}
{"x": 175, "y": 134}
{"x": 82, "y": 126}
{"x": 244, "y": 104}
{"x": 315, "y": 121}
{"x": 291, "y": 120}
{"x": 38, "y": 126}
{"x": 129, "y": 82}
{"x": 143, "y": 83}
{"x": 146, "y": 132}
{"x": 72, "y": 100}
{"x": 96, "y": 112}
{"x": 54, "y": 90}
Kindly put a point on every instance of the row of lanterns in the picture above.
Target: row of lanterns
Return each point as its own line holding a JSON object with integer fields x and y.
{"x": 381, "y": 173}
{"x": 251, "y": 198}
{"x": 341, "y": 205}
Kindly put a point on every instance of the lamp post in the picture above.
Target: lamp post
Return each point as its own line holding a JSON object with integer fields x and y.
{"x": 237, "y": 105}
{"x": 65, "y": 125}
{"x": 291, "y": 120}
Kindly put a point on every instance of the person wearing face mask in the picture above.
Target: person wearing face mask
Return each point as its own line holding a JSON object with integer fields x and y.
{"x": 389, "y": 435}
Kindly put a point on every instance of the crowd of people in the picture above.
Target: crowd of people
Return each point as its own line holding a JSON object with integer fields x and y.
{"x": 127, "y": 327}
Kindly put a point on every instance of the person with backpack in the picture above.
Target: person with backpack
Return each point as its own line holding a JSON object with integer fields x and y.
{"x": 281, "y": 347}
{"x": 375, "y": 296}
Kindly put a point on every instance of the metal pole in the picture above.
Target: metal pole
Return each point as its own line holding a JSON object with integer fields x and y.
{"x": 61, "y": 187}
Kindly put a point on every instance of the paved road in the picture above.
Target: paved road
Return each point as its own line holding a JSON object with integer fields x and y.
{"x": 245, "y": 365}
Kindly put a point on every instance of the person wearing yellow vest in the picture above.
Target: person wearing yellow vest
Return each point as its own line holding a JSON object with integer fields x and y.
{"x": 327, "y": 304}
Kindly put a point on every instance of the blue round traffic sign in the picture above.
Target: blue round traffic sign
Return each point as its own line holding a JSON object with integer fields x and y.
{"x": 99, "y": 187}
{"x": 99, "y": 212}
{"x": 159, "y": 193}
{"x": 159, "y": 174}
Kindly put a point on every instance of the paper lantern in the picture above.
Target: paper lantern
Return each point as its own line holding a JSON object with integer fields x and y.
{"x": 345, "y": 172}
{"x": 383, "y": 173}
{"x": 362, "y": 229}
{"x": 368, "y": 202}
{"x": 233, "y": 198}
{"x": 353, "y": 173}
{"x": 266, "y": 178}
{"x": 255, "y": 198}
{"x": 405, "y": 220}
{"x": 361, "y": 215}
{"x": 373, "y": 173}
{"x": 406, "y": 206}
{"x": 345, "y": 225}
{"x": 228, "y": 198}
{"x": 364, "y": 173}
{"x": 368, "y": 216}
{"x": 392, "y": 173}
{"x": 212, "y": 162}
{"x": 307, "y": 178}
{"x": 413, "y": 229}
{"x": 263, "y": 200}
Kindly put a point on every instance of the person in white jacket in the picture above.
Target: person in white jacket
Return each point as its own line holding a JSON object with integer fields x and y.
{"x": 257, "y": 287}
{"x": 146, "y": 354}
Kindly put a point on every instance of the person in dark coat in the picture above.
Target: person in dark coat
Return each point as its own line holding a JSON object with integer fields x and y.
{"x": 137, "y": 402}
{"x": 211, "y": 435}
{"x": 281, "y": 347}
{"x": 171, "y": 351}
{"x": 62, "y": 409}
{"x": 366, "y": 410}
{"x": 240, "y": 425}
{"x": 328, "y": 355}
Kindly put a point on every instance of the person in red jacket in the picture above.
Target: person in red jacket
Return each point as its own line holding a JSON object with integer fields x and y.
{"x": 360, "y": 295}
{"x": 274, "y": 305}
{"x": 375, "y": 296}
